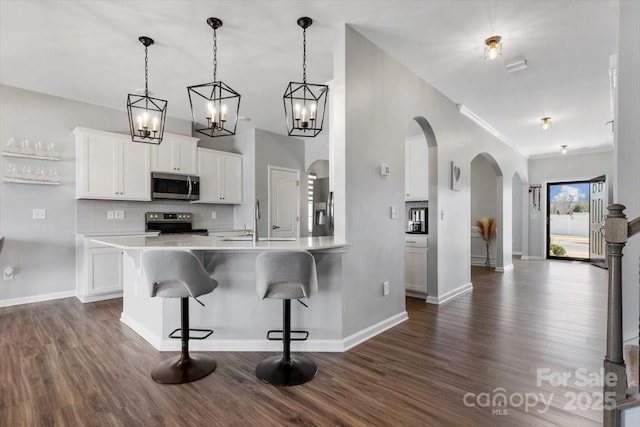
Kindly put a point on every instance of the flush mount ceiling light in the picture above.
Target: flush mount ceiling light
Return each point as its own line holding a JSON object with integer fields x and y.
{"x": 305, "y": 103}
{"x": 564, "y": 149}
{"x": 545, "y": 122}
{"x": 146, "y": 114}
{"x": 214, "y": 106}
{"x": 492, "y": 48}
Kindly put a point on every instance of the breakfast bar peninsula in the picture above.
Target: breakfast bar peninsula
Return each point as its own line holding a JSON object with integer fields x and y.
{"x": 239, "y": 317}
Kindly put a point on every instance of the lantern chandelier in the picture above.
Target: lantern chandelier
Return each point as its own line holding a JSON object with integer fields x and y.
{"x": 214, "y": 106}
{"x": 146, "y": 114}
{"x": 492, "y": 48}
{"x": 305, "y": 103}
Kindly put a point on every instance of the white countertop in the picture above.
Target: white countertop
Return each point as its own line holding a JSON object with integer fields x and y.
{"x": 209, "y": 243}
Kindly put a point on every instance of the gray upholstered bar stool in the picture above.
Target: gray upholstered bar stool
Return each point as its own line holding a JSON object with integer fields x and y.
{"x": 179, "y": 274}
{"x": 286, "y": 275}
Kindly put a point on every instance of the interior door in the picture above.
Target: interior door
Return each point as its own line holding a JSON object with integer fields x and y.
{"x": 597, "y": 215}
{"x": 284, "y": 202}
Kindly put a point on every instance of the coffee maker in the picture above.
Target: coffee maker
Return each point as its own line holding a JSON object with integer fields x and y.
{"x": 417, "y": 221}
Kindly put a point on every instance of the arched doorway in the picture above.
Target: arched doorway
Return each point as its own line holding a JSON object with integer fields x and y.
{"x": 421, "y": 198}
{"x": 486, "y": 194}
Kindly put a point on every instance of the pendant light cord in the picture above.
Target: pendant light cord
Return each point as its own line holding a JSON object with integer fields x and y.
{"x": 304, "y": 55}
{"x": 215, "y": 55}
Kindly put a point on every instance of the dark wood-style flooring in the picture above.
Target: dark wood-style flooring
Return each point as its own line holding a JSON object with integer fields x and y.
{"x": 65, "y": 363}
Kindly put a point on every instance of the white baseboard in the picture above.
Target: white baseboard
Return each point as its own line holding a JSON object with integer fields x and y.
{"x": 373, "y": 330}
{"x": 37, "y": 298}
{"x": 630, "y": 341}
{"x": 311, "y": 345}
{"x": 504, "y": 269}
{"x": 531, "y": 257}
{"x": 519, "y": 253}
{"x": 479, "y": 261}
{"x": 93, "y": 298}
{"x": 415, "y": 294}
{"x": 450, "y": 295}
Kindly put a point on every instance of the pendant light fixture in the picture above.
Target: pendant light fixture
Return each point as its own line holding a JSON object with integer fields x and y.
{"x": 305, "y": 103}
{"x": 146, "y": 114}
{"x": 492, "y": 48}
{"x": 214, "y": 106}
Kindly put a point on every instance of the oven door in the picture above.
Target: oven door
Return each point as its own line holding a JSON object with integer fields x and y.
{"x": 174, "y": 187}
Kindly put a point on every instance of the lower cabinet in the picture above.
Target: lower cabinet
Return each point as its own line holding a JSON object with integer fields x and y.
{"x": 98, "y": 271}
{"x": 415, "y": 264}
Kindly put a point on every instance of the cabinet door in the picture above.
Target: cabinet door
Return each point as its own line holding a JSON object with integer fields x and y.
{"x": 104, "y": 270}
{"x": 417, "y": 163}
{"x": 97, "y": 172}
{"x": 185, "y": 155}
{"x": 231, "y": 179}
{"x": 163, "y": 156}
{"x": 208, "y": 171}
{"x": 415, "y": 269}
{"x": 135, "y": 171}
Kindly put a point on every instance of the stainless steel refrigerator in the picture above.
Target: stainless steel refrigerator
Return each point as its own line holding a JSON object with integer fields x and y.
{"x": 322, "y": 208}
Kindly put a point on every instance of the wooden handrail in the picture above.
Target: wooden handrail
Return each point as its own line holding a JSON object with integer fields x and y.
{"x": 634, "y": 226}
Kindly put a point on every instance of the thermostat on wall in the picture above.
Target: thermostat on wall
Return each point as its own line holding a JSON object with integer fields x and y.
{"x": 385, "y": 170}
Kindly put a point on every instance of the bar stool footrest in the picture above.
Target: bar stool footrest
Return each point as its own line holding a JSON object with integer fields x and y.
{"x": 304, "y": 335}
{"x": 207, "y": 333}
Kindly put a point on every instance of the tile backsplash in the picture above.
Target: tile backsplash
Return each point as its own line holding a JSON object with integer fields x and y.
{"x": 91, "y": 215}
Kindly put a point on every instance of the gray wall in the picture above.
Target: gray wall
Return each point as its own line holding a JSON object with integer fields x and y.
{"x": 557, "y": 169}
{"x": 43, "y": 251}
{"x": 483, "y": 190}
{"x": 627, "y": 158}
{"x": 374, "y": 99}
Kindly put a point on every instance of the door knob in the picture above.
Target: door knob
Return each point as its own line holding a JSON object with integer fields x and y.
{"x": 275, "y": 227}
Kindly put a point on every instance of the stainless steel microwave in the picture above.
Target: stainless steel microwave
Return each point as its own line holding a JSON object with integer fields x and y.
{"x": 174, "y": 186}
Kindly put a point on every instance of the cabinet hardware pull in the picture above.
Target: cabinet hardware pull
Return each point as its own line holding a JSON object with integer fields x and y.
{"x": 411, "y": 241}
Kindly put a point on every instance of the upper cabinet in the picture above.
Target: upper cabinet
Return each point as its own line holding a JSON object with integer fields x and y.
{"x": 111, "y": 166}
{"x": 220, "y": 177}
{"x": 176, "y": 154}
{"x": 416, "y": 169}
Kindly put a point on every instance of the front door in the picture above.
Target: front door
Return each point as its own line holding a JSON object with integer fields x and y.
{"x": 597, "y": 215}
{"x": 284, "y": 202}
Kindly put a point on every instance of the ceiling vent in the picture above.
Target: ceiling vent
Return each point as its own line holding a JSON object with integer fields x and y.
{"x": 516, "y": 64}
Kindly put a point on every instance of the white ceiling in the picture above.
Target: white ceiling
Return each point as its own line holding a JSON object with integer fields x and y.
{"x": 88, "y": 51}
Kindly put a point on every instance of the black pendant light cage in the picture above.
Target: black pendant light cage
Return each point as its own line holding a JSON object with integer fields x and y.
{"x": 147, "y": 115}
{"x": 214, "y": 106}
{"x": 305, "y": 103}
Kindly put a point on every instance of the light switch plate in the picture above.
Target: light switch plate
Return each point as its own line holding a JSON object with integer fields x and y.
{"x": 119, "y": 214}
{"x": 394, "y": 212}
{"x": 109, "y": 214}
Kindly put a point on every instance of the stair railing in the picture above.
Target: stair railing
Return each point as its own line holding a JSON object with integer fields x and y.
{"x": 617, "y": 230}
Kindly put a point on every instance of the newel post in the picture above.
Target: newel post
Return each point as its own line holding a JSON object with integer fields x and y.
{"x": 615, "y": 234}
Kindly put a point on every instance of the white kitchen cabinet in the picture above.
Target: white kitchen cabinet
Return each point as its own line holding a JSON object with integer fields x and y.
{"x": 176, "y": 154}
{"x": 416, "y": 169}
{"x": 220, "y": 177}
{"x": 98, "y": 271}
{"x": 111, "y": 166}
{"x": 415, "y": 263}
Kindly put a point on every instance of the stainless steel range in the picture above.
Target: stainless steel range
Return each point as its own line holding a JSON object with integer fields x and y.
{"x": 171, "y": 223}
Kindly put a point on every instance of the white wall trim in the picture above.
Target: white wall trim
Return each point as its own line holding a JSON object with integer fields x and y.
{"x": 451, "y": 294}
{"x": 101, "y": 297}
{"x": 146, "y": 334}
{"x": 519, "y": 253}
{"x": 373, "y": 330}
{"x": 320, "y": 345}
{"x": 504, "y": 269}
{"x": 532, "y": 258}
{"x": 37, "y": 298}
{"x": 630, "y": 341}
{"x": 415, "y": 294}
{"x": 479, "y": 261}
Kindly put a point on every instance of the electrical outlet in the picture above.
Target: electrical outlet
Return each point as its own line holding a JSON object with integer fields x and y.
{"x": 119, "y": 214}
{"x": 109, "y": 214}
{"x": 385, "y": 288}
{"x": 394, "y": 212}
{"x": 213, "y": 214}
{"x": 7, "y": 274}
{"x": 39, "y": 214}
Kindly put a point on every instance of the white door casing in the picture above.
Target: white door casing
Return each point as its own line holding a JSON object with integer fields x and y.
{"x": 283, "y": 202}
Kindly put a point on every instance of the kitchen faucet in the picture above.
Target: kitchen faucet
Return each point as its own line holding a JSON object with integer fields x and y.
{"x": 256, "y": 217}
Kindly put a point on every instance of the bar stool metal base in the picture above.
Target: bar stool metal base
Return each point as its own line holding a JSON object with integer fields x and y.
{"x": 179, "y": 370}
{"x": 276, "y": 370}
